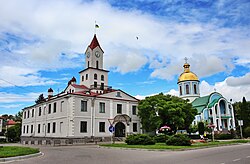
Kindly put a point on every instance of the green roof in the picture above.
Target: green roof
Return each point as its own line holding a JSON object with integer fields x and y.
{"x": 212, "y": 103}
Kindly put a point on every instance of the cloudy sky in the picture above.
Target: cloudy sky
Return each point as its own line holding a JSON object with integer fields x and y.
{"x": 42, "y": 45}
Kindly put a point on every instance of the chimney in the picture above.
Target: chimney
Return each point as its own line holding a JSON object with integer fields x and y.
{"x": 50, "y": 93}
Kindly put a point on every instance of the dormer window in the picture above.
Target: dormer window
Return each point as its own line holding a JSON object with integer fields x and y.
{"x": 118, "y": 94}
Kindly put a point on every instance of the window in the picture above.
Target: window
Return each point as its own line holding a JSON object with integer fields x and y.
{"x": 97, "y": 64}
{"x": 32, "y": 115}
{"x": 40, "y": 111}
{"x": 95, "y": 76}
{"x": 102, "y": 107}
{"x": 44, "y": 110}
{"x": 95, "y": 84}
{"x": 118, "y": 94}
{"x": 134, "y": 127}
{"x": 28, "y": 114}
{"x": 102, "y": 86}
{"x": 54, "y": 108}
{"x": 88, "y": 63}
{"x": 102, "y": 77}
{"x": 39, "y": 128}
{"x": 86, "y": 77}
{"x": 134, "y": 110}
{"x": 61, "y": 125}
{"x": 82, "y": 78}
{"x": 119, "y": 108}
{"x": 180, "y": 91}
{"x": 195, "y": 89}
{"x": 83, "y": 106}
{"x": 83, "y": 127}
{"x": 187, "y": 89}
{"x": 61, "y": 108}
{"x": 101, "y": 126}
{"x": 31, "y": 129}
{"x": 24, "y": 129}
{"x": 24, "y": 115}
{"x": 27, "y": 130}
{"x": 48, "y": 128}
{"x": 54, "y": 127}
{"x": 49, "y": 111}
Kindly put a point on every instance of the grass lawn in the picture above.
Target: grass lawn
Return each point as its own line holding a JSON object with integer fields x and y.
{"x": 12, "y": 151}
{"x": 163, "y": 146}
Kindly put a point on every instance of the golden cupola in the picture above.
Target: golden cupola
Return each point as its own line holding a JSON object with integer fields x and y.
{"x": 187, "y": 75}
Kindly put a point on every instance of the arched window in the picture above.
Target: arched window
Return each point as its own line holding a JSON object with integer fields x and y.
{"x": 195, "y": 89}
{"x": 102, "y": 77}
{"x": 180, "y": 91}
{"x": 95, "y": 76}
{"x": 97, "y": 64}
{"x": 187, "y": 89}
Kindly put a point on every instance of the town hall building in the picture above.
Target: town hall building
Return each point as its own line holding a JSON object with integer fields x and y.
{"x": 212, "y": 109}
{"x": 84, "y": 112}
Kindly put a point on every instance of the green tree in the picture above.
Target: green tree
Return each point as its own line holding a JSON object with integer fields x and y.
{"x": 40, "y": 99}
{"x": 13, "y": 134}
{"x": 201, "y": 128}
{"x": 158, "y": 110}
{"x": 18, "y": 116}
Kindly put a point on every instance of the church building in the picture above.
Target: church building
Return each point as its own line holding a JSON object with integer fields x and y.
{"x": 212, "y": 109}
{"x": 85, "y": 112}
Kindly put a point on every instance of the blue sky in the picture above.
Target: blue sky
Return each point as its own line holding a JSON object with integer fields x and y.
{"x": 42, "y": 45}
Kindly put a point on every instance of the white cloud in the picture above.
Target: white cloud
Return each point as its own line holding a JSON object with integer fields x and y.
{"x": 238, "y": 81}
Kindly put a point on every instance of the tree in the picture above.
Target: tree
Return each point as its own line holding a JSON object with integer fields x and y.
{"x": 40, "y": 99}
{"x": 18, "y": 116}
{"x": 158, "y": 110}
{"x": 201, "y": 128}
{"x": 14, "y": 133}
{"x": 242, "y": 112}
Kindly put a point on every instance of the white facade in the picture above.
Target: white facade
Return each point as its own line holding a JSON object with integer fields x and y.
{"x": 85, "y": 110}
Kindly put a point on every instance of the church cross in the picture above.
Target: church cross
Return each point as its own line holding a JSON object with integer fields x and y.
{"x": 186, "y": 59}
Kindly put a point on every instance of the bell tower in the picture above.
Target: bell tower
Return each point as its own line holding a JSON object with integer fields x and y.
{"x": 94, "y": 76}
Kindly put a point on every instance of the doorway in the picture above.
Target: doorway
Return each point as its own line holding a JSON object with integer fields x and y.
{"x": 119, "y": 129}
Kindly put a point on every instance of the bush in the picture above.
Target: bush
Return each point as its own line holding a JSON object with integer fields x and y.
{"x": 247, "y": 132}
{"x": 139, "y": 139}
{"x": 161, "y": 138}
{"x": 179, "y": 140}
{"x": 223, "y": 136}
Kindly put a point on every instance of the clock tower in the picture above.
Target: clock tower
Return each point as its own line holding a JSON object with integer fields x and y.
{"x": 94, "y": 76}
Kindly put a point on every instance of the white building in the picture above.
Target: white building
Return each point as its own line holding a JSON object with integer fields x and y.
{"x": 212, "y": 109}
{"x": 82, "y": 112}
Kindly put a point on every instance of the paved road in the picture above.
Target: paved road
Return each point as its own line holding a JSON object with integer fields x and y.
{"x": 92, "y": 154}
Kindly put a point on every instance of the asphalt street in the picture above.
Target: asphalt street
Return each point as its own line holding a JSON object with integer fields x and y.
{"x": 92, "y": 154}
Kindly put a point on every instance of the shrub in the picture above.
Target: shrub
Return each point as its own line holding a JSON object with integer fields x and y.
{"x": 161, "y": 138}
{"x": 139, "y": 139}
{"x": 179, "y": 140}
{"x": 247, "y": 131}
{"x": 223, "y": 136}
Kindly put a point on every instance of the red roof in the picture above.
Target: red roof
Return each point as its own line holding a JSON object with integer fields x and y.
{"x": 94, "y": 43}
{"x": 79, "y": 86}
{"x": 84, "y": 93}
{"x": 11, "y": 122}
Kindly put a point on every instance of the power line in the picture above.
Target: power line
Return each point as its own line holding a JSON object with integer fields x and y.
{"x": 15, "y": 85}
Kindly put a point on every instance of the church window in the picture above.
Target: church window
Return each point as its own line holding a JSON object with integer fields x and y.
{"x": 119, "y": 108}
{"x": 102, "y": 107}
{"x": 180, "y": 90}
{"x": 83, "y": 127}
{"x": 95, "y": 84}
{"x": 134, "y": 127}
{"x": 187, "y": 89}
{"x": 102, "y": 86}
{"x": 102, "y": 78}
{"x": 210, "y": 111}
{"x": 86, "y": 77}
{"x": 83, "y": 106}
{"x": 195, "y": 89}
{"x": 97, "y": 64}
{"x": 95, "y": 76}
{"x": 101, "y": 126}
{"x": 82, "y": 78}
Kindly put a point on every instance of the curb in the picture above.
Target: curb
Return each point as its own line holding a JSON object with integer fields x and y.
{"x": 20, "y": 157}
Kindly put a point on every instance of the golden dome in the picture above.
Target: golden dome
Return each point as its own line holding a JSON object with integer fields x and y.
{"x": 187, "y": 75}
